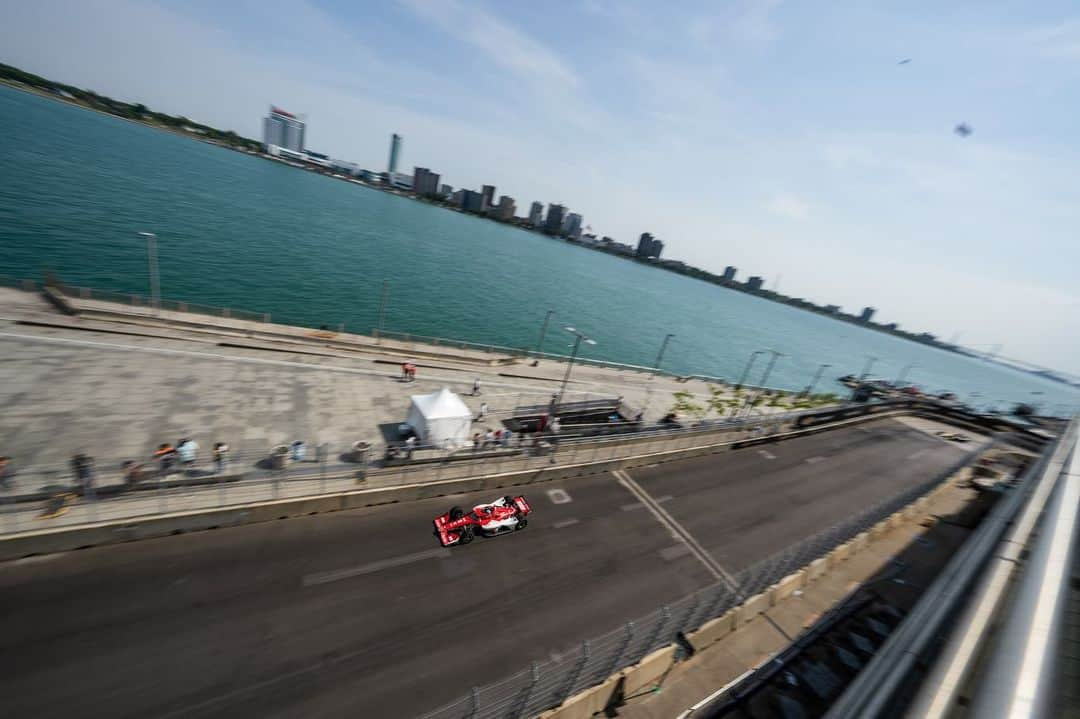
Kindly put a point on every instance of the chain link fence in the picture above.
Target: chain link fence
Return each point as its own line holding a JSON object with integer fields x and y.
{"x": 256, "y": 476}
{"x": 545, "y": 685}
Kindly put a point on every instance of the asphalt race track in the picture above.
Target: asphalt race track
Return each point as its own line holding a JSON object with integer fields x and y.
{"x": 362, "y": 614}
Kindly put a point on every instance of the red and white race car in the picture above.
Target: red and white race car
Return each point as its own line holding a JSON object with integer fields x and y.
{"x": 506, "y": 514}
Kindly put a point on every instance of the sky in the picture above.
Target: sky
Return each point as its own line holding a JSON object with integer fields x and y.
{"x": 784, "y": 138}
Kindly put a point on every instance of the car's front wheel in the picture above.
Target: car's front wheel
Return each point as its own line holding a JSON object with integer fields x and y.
{"x": 466, "y": 535}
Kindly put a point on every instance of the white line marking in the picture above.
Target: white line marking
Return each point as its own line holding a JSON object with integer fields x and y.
{"x": 565, "y": 523}
{"x": 815, "y": 460}
{"x": 558, "y": 496}
{"x": 677, "y": 531}
{"x": 326, "y": 577}
{"x": 766, "y": 454}
{"x": 632, "y": 506}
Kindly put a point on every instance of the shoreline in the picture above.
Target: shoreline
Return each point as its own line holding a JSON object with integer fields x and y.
{"x": 685, "y": 270}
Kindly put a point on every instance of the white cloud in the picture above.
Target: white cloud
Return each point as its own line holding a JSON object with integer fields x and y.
{"x": 789, "y": 206}
{"x": 504, "y": 44}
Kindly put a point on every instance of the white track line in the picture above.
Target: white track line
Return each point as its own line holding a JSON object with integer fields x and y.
{"x": 677, "y": 531}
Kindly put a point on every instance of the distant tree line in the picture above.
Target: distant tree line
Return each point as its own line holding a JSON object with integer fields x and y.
{"x": 130, "y": 111}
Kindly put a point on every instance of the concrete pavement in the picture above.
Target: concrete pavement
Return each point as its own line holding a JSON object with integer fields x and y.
{"x": 361, "y": 613}
{"x": 117, "y": 388}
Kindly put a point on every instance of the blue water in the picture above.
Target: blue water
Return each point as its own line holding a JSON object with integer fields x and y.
{"x": 242, "y": 232}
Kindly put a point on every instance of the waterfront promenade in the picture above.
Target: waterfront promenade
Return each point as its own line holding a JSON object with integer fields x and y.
{"x": 115, "y": 382}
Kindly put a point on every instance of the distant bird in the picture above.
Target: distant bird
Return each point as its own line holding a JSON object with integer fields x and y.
{"x": 963, "y": 129}
{"x": 905, "y": 61}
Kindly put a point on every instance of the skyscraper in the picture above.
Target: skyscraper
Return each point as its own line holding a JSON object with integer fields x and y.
{"x": 729, "y": 274}
{"x": 395, "y": 152}
{"x": 536, "y": 214}
{"x": 487, "y": 198}
{"x": 648, "y": 246}
{"x": 754, "y": 283}
{"x": 867, "y": 314}
{"x": 283, "y": 129}
{"x": 506, "y": 208}
{"x": 425, "y": 182}
{"x": 553, "y": 223}
{"x": 572, "y": 225}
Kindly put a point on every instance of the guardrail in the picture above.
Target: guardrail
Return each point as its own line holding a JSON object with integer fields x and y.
{"x": 132, "y": 299}
{"x": 545, "y": 685}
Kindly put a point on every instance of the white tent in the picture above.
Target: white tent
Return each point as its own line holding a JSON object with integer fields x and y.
{"x": 441, "y": 419}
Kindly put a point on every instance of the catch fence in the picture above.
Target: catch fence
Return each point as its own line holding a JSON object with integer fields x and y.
{"x": 547, "y": 684}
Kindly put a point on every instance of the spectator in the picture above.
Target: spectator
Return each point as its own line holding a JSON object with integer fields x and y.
{"x": 476, "y": 439}
{"x": 483, "y": 410}
{"x": 133, "y": 473}
{"x": 299, "y": 450}
{"x": 410, "y": 445}
{"x": 221, "y": 454}
{"x": 186, "y": 450}
{"x": 489, "y": 439}
{"x": 83, "y": 466}
{"x": 476, "y": 387}
{"x": 5, "y": 472}
{"x": 555, "y": 425}
{"x": 165, "y": 455}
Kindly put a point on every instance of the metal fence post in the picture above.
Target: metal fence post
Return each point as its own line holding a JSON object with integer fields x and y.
{"x": 475, "y": 702}
{"x": 616, "y": 659}
{"x": 665, "y": 615}
{"x": 526, "y": 694}
{"x": 578, "y": 668}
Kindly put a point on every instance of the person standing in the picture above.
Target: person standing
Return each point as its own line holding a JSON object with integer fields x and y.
{"x": 83, "y": 466}
{"x": 483, "y": 410}
{"x": 410, "y": 445}
{"x": 187, "y": 450}
{"x": 221, "y": 451}
{"x": 476, "y": 387}
{"x": 5, "y": 472}
{"x": 165, "y": 455}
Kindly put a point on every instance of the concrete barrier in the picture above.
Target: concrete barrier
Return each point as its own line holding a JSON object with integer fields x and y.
{"x": 815, "y": 570}
{"x": 24, "y": 544}
{"x": 587, "y": 703}
{"x": 645, "y": 673}
{"x": 714, "y": 630}
{"x": 786, "y": 587}
{"x": 755, "y": 605}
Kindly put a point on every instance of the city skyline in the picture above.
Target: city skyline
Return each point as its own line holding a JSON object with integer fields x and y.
{"x": 769, "y": 137}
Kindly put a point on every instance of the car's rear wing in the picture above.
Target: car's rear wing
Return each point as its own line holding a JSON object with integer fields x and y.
{"x": 522, "y": 505}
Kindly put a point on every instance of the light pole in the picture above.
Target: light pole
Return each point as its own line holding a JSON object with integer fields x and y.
{"x": 155, "y": 280}
{"x": 870, "y": 360}
{"x": 543, "y": 330}
{"x": 573, "y": 355}
{"x": 764, "y": 378}
{"x": 903, "y": 375}
{"x": 746, "y": 370}
{"x": 660, "y": 355}
{"x": 817, "y": 376}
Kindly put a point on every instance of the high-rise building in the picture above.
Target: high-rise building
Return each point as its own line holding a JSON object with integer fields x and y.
{"x": 471, "y": 201}
{"x": 553, "y": 221}
{"x": 487, "y": 198}
{"x": 754, "y": 283}
{"x": 648, "y": 246}
{"x": 536, "y": 214}
{"x": 446, "y": 191}
{"x": 867, "y": 314}
{"x": 395, "y": 153}
{"x": 505, "y": 210}
{"x": 729, "y": 274}
{"x": 572, "y": 225}
{"x": 425, "y": 182}
{"x": 283, "y": 129}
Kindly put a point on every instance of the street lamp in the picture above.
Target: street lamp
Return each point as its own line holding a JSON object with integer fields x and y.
{"x": 746, "y": 370}
{"x": 870, "y": 360}
{"x": 903, "y": 375}
{"x": 573, "y": 355}
{"x": 543, "y": 330}
{"x": 817, "y": 375}
{"x": 764, "y": 378}
{"x": 151, "y": 259}
{"x": 660, "y": 355}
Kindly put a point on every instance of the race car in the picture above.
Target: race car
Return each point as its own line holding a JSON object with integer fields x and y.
{"x": 506, "y": 514}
